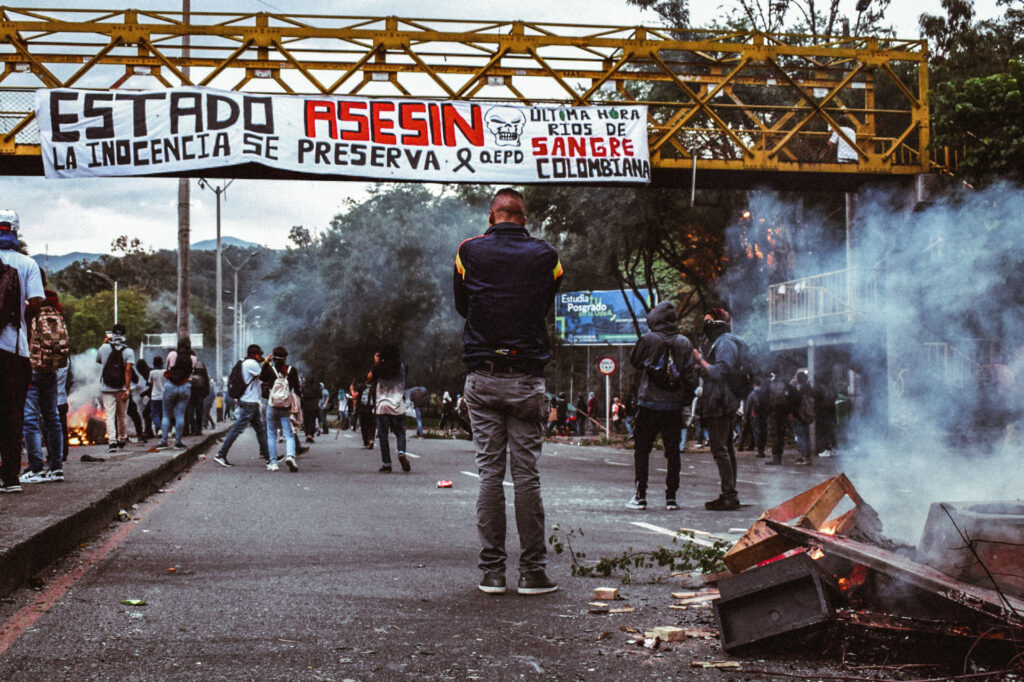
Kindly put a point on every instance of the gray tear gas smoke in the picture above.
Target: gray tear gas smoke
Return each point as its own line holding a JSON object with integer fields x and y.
{"x": 943, "y": 332}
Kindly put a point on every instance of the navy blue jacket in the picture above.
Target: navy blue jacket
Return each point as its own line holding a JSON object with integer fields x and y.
{"x": 505, "y": 282}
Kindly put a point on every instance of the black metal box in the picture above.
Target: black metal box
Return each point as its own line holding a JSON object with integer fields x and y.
{"x": 760, "y": 603}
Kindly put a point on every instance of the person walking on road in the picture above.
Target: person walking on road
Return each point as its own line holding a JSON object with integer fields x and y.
{"x": 388, "y": 379}
{"x": 21, "y": 280}
{"x": 248, "y": 409}
{"x": 662, "y": 400}
{"x": 284, "y": 387}
{"x": 505, "y": 283}
{"x": 718, "y": 364}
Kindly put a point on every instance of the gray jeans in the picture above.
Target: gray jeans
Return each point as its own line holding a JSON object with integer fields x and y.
{"x": 507, "y": 413}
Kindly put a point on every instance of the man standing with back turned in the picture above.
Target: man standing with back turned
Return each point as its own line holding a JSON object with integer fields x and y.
{"x": 505, "y": 282}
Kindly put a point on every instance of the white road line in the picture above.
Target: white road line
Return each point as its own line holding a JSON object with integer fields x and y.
{"x": 675, "y": 534}
{"x": 470, "y": 473}
{"x": 580, "y": 459}
{"x": 617, "y": 464}
{"x": 740, "y": 480}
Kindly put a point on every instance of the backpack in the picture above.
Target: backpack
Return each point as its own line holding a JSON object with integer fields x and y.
{"x": 778, "y": 394}
{"x": 236, "y": 382}
{"x": 806, "y": 411}
{"x": 663, "y": 372}
{"x": 11, "y": 302}
{"x": 113, "y": 369}
{"x": 49, "y": 349}
{"x": 181, "y": 372}
{"x": 280, "y": 391}
{"x": 741, "y": 379}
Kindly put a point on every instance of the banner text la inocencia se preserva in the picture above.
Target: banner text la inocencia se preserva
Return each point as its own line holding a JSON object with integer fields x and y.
{"x": 87, "y": 133}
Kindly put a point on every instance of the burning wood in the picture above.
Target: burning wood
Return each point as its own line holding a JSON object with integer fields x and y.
{"x": 87, "y": 425}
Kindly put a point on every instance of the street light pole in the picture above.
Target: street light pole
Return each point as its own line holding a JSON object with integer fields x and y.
{"x": 111, "y": 282}
{"x": 234, "y": 333}
{"x": 184, "y": 244}
{"x": 203, "y": 184}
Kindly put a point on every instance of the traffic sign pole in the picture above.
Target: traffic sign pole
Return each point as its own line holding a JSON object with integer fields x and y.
{"x": 607, "y": 366}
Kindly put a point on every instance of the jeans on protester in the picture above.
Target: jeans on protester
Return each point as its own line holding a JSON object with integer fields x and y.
{"x": 279, "y": 418}
{"x": 156, "y": 413}
{"x": 419, "y": 421}
{"x": 248, "y": 415}
{"x": 42, "y": 420}
{"x": 649, "y": 424}
{"x": 720, "y": 431}
{"x": 802, "y": 435}
{"x": 507, "y": 412}
{"x": 395, "y": 423}
{"x": 175, "y": 401}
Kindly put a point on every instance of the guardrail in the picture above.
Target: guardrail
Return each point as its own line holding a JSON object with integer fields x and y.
{"x": 828, "y": 299}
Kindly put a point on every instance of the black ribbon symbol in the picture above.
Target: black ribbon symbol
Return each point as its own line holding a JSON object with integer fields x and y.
{"x": 464, "y": 155}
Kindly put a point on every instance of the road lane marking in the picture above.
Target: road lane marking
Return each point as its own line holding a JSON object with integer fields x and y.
{"x": 470, "y": 473}
{"x": 740, "y": 480}
{"x": 617, "y": 464}
{"x": 673, "y": 533}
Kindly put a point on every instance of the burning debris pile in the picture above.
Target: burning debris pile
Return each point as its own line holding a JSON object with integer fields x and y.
{"x": 796, "y": 572}
{"x": 87, "y": 425}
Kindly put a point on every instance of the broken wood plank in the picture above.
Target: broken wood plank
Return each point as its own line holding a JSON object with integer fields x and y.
{"x": 622, "y": 609}
{"x": 731, "y": 665}
{"x": 974, "y": 597}
{"x": 668, "y": 633}
{"x": 606, "y": 593}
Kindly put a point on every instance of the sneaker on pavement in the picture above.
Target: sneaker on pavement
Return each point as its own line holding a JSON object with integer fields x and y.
{"x": 536, "y": 583}
{"x": 162, "y": 446}
{"x": 113, "y": 448}
{"x": 12, "y": 488}
{"x": 32, "y": 477}
{"x": 637, "y": 503}
{"x": 178, "y": 445}
{"x": 404, "y": 461}
{"x": 773, "y": 463}
{"x": 670, "y": 504}
{"x": 292, "y": 466}
{"x": 55, "y": 475}
{"x": 385, "y": 469}
{"x": 222, "y": 460}
{"x": 803, "y": 460}
{"x": 722, "y": 504}
{"x": 493, "y": 583}
{"x": 272, "y": 467}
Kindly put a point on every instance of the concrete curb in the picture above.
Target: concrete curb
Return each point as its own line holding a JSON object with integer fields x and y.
{"x": 25, "y": 559}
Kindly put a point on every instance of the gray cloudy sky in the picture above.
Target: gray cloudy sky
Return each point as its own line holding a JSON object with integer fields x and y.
{"x": 86, "y": 215}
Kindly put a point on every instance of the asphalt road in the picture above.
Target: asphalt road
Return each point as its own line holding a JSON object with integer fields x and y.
{"x": 340, "y": 572}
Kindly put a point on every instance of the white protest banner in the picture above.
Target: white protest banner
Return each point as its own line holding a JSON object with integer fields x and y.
{"x": 86, "y": 133}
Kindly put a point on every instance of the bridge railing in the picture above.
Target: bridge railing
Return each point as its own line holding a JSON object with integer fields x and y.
{"x": 824, "y": 301}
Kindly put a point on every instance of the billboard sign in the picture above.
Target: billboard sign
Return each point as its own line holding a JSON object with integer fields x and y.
{"x": 599, "y": 318}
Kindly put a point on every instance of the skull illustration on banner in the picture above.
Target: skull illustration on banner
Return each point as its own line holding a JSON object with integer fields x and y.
{"x": 506, "y": 124}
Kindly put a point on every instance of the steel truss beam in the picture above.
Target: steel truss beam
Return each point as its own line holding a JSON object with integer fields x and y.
{"x": 735, "y": 101}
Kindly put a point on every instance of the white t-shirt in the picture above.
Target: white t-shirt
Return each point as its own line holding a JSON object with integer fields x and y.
{"x": 156, "y": 381}
{"x": 127, "y": 355}
{"x": 16, "y": 339}
{"x": 844, "y": 152}
{"x": 253, "y": 388}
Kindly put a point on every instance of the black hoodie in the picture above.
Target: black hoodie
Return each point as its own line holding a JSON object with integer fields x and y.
{"x": 664, "y": 330}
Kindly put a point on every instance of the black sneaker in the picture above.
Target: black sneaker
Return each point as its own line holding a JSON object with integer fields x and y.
{"x": 536, "y": 583}
{"x": 385, "y": 469}
{"x": 12, "y": 488}
{"x": 638, "y": 503}
{"x": 112, "y": 448}
{"x": 178, "y": 445}
{"x": 671, "y": 505}
{"x": 722, "y": 504}
{"x": 493, "y": 583}
{"x": 222, "y": 460}
{"x": 404, "y": 461}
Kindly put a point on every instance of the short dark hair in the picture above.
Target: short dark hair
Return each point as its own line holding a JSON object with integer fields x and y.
{"x": 280, "y": 352}
{"x": 254, "y": 349}
{"x": 158, "y": 362}
{"x": 509, "y": 201}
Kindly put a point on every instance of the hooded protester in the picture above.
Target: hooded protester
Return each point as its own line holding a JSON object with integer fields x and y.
{"x": 719, "y": 361}
{"x": 661, "y": 400}
{"x": 117, "y": 359}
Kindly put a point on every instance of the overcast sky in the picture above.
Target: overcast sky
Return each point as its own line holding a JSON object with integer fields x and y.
{"x": 86, "y": 215}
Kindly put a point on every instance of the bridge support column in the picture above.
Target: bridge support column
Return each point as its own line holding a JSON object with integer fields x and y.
{"x": 812, "y": 375}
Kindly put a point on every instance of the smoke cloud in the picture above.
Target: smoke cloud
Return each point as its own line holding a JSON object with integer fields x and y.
{"x": 942, "y": 329}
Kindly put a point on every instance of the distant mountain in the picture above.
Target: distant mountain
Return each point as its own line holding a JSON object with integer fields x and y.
{"x": 211, "y": 244}
{"x": 58, "y": 263}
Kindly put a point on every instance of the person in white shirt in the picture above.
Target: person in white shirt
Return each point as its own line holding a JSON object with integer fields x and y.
{"x": 247, "y": 409}
{"x": 156, "y": 393}
{"x": 844, "y": 152}
{"x": 116, "y": 385}
{"x": 15, "y": 369}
